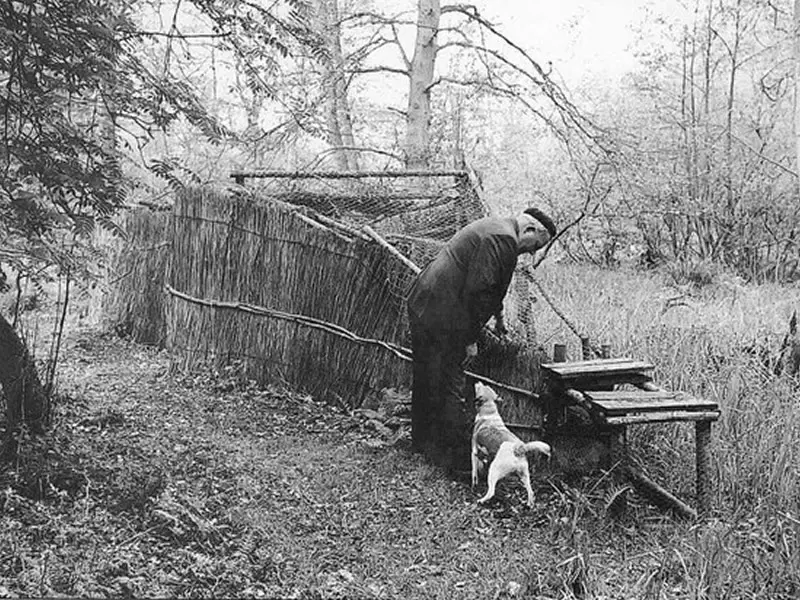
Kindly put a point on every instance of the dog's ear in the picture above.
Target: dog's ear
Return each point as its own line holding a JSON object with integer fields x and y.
{"x": 478, "y": 389}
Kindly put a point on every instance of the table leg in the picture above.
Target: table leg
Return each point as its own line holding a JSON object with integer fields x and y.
{"x": 703, "y": 456}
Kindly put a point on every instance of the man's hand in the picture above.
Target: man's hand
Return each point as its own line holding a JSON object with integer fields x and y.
{"x": 472, "y": 352}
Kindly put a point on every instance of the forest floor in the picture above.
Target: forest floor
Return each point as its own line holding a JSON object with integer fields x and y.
{"x": 153, "y": 484}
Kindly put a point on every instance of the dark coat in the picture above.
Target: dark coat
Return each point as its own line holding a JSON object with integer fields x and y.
{"x": 466, "y": 282}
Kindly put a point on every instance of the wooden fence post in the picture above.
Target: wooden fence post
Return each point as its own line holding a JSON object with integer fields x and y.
{"x": 559, "y": 353}
{"x": 586, "y": 347}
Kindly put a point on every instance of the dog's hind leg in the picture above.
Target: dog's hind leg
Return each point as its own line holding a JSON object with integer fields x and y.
{"x": 525, "y": 475}
{"x": 474, "y": 466}
{"x": 495, "y": 475}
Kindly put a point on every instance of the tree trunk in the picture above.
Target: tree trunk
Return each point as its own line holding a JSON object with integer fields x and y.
{"x": 338, "y": 119}
{"x": 728, "y": 238}
{"x": 797, "y": 88}
{"x": 418, "y": 116}
{"x": 26, "y": 401}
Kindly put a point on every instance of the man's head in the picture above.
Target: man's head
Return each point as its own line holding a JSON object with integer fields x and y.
{"x": 536, "y": 229}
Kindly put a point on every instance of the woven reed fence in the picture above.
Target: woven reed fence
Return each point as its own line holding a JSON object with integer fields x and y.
{"x": 135, "y": 305}
{"x": 288, "y": 298}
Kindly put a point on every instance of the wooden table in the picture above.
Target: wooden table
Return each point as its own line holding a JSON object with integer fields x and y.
{"x": 593, "y": 385}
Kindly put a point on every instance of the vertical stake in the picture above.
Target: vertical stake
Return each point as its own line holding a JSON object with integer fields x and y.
{"x": 703, "y": 455}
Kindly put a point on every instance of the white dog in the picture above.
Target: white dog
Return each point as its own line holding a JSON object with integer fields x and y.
{"x": 508, "y": 453}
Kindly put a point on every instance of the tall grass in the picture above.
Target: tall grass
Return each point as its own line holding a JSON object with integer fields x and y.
{"x": 710, "y": 342}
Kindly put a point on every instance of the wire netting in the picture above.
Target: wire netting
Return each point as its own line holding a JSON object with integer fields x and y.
{"x": 415, "y": 212}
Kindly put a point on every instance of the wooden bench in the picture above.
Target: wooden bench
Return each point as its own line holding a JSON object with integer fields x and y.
{"x": 592, "y": 386}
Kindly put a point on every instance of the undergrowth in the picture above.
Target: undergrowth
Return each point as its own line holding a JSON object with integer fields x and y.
{"x": 718, "y": 341}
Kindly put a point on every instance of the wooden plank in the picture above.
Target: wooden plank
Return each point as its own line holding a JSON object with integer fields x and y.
{"x": 633, "y": 395}
{"x": 572, "y": 369}
{"x": 663, "y": 417}
{"x": 600, "y": 367}
{"x": 630, "y": 402}
{"x": 596, "y": 361}
{"x": 594, "y": 381}
{"x": 610, "y": 407}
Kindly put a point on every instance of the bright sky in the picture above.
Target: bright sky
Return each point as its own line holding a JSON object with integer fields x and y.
{"x": 575, "y": 35}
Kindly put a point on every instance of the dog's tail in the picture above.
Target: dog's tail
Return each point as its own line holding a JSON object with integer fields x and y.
{"x": 532, "y": 447}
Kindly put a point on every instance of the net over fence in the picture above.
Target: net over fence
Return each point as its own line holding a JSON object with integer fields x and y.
{"x": 420, "y": 210}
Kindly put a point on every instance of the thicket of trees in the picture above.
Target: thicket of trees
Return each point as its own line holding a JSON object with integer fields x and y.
{"x": 713, "y": 172}
{"x": 693, "y": 160}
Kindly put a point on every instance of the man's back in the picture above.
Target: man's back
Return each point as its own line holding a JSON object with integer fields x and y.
{"x": 468, "y": 278}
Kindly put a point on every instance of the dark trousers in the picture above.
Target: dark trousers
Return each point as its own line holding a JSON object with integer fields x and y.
{"x": 441, "y": 420}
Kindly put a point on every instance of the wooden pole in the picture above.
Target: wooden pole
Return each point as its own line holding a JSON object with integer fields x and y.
{"x": 619, "y": 461}
{"x": 241, "y": 175}
{"x": 586, "y": 347}
{"x": 559, "y": 353}
{"x": 392, "y": 250}
{"x": 658, "y": 495}
{"x": 703, "y": 466}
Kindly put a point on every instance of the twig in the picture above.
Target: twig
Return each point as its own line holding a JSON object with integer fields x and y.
{"x": 54, "y": 351}
{"x": 308, "y": 321}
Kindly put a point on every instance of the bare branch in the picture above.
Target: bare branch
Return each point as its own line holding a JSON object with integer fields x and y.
{"x": 374, "y": 18}
{"x": 539, "y": 77}
{"x": 403, "y": 53}
{"x": 376, "y": 43}
{"x": 379, "y": 69}
{"x": 461, "y": 82}
{"x": 495, "y": 53}
{"x": 184, "y": 36}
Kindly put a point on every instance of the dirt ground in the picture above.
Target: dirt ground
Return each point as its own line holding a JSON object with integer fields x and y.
{"x": 155, "y": 484}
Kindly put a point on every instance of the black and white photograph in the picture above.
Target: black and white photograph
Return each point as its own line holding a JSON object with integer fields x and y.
{"x": 400, "y": 299}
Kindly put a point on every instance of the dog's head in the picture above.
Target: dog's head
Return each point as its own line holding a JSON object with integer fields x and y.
{"x": 486, "y": 399}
